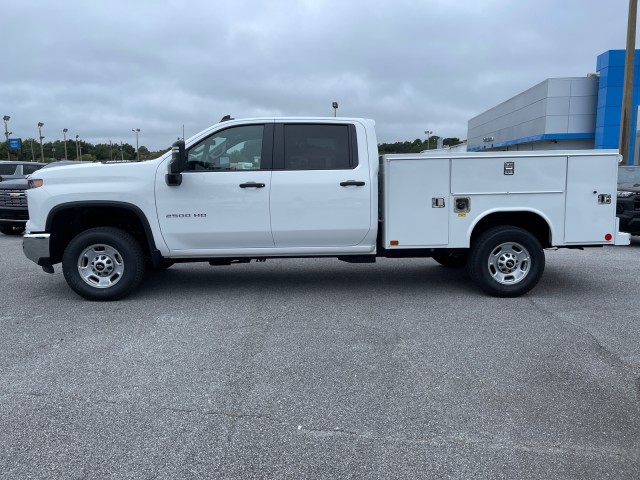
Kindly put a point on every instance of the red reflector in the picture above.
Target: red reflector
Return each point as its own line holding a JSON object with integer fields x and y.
{"x": 608, "y": 237}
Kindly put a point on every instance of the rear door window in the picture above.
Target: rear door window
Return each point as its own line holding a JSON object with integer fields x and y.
{"x": 318, "y": 147}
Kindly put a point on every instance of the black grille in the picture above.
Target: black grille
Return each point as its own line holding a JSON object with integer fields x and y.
{"x": 13, "y": 198}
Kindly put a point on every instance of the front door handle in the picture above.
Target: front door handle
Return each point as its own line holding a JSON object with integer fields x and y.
{"x": 252, "y": 185}
{"x": 350, "y": 183}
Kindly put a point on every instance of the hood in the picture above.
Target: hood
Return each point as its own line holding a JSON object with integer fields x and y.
{"x": 14, "y": 184}
{"x": 626, "y": 187}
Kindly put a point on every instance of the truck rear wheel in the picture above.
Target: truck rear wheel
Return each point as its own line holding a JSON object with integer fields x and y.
{"x": 506, "y": 261}
{"x": 103, "y": 264}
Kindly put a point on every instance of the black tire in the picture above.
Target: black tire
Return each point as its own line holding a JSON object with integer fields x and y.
{"x": 506, "y": 261}
{"x": 103, "y": 263}
{"x": 450, "y": 258}
{"x": 12, "y": 230}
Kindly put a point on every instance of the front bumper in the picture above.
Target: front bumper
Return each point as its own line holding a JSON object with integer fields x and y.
{"x": 13, "y": 216}
{"x": 630, "y": 222}
{"x": 36, "y": 248}
{"x": 628, "y": 211}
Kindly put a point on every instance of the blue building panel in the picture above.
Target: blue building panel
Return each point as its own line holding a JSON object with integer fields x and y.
{"x": 606, "y": 117}
{"x": 610, "y": 65}
{"x": 612, "y": 76}
{"x": 610, "y": 117}
{"x": 609, "y": 96}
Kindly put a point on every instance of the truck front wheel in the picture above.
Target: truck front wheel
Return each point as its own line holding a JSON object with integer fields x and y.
{"x": 103, "y": 264}
{"x": 506, "y": 261}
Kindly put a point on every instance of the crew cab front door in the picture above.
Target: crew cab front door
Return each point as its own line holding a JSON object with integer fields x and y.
{"x": 223, "y": 201}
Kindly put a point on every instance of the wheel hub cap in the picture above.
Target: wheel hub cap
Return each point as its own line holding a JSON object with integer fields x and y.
{"x": 509, "y": 263}
{"x": 101, "y": 266}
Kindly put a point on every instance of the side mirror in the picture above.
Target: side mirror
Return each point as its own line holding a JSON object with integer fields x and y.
{"x": 177, "y": 165}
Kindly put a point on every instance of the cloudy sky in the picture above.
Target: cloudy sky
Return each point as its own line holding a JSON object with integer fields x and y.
{"x": 101, "y": 69}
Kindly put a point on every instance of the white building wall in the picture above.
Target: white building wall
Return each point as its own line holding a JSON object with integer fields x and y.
{"x": 556, "y": 109}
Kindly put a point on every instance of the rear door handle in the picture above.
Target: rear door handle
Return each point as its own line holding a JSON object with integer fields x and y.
{"x": 350, "y": 183}
{"x": 252, "y": 185}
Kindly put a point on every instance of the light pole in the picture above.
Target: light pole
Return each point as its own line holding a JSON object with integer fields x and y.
{"x": 335, "y": 108}
{"x": 40, "y": 125}
{"x": 53, "y": 153}
{"x": 77, "y": 149}
{"x": 110, "y": 150}
{"x": 64, "y": 134}
{"x": 122, "y": 150}
{"x": 627, "y": 89}
{"x": 6, "y": 118}
{"x": 428, "y": 134}
{"x": 137, "y": 132}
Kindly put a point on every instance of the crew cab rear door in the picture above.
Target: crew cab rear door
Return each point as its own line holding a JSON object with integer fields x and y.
{"x": 320, "y": 188}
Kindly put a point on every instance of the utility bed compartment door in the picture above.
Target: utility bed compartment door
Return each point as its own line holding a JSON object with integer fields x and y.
{"x": 528, "y": 174}
{"x": 590, "y": 206}
{"x": 416, "y": 202}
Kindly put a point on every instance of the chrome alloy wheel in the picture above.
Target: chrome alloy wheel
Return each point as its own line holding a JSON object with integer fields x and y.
{"x": 509, "y": 263}
{"x": 100, "y": 266}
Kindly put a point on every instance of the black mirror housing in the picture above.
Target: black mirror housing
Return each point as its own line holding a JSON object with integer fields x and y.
{"x": 177, "y": 165}
{"x": 178, "y": 157}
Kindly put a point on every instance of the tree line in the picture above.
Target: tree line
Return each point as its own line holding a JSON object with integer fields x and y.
{"x": 416, "y": 146}
{"x": 53, "y": 151}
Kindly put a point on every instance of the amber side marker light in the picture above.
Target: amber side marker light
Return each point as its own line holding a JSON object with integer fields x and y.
{"x": 394, "y": 242}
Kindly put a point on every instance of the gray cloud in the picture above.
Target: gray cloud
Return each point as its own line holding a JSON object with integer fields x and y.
{"x": 101, "y": 69}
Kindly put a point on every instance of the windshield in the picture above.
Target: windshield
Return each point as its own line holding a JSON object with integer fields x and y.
{"x": 628, "y": 175}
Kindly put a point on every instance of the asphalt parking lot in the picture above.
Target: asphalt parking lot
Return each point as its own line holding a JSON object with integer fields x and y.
{"x": 321, "y": 369}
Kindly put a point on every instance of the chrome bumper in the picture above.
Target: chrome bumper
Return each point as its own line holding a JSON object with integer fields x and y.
{"x": 36, "y": 248}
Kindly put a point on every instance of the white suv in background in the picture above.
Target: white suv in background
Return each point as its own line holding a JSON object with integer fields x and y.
{"x": 18, "y": 169}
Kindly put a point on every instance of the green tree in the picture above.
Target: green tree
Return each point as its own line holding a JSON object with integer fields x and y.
{"x": 451, "y": 141}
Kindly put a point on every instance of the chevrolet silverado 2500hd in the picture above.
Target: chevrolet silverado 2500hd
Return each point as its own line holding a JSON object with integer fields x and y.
{"x": 316, "y": 187}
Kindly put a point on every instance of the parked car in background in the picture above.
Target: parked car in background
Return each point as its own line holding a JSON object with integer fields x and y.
{"x": 628, "y": 204}
{"x": 13, "y": 206}
{"x": 13, "y": 200}
{"x": 16, "y": 169}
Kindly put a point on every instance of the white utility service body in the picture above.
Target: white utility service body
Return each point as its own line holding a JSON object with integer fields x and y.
{"x": 573, "y": 191}
{"x": 311, "y": 187}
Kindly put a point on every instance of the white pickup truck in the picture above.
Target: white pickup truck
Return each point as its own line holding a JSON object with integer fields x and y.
{"x": 316, "y": 187}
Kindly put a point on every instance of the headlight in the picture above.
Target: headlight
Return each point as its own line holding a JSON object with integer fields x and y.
{"x": 38, "y": 183}
{"x": 621, "y": 194}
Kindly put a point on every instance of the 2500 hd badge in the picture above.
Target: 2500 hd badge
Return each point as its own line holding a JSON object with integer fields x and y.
{"x": 186, "y": 215}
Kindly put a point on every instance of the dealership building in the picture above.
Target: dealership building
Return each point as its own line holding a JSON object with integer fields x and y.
{"x": 563, "y": 113}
